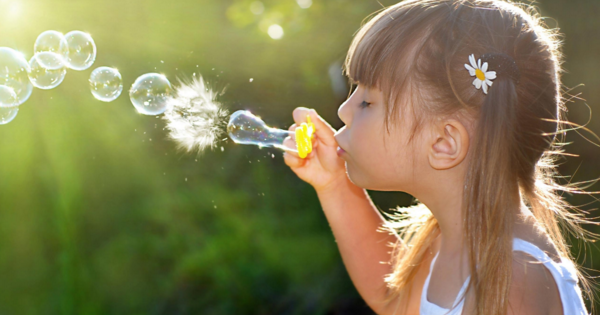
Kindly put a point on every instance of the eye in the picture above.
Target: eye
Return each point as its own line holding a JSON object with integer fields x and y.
{"x": 364, "y": 104}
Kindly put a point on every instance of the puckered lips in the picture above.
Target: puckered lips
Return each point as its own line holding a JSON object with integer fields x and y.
{"x": 340, "y": 149}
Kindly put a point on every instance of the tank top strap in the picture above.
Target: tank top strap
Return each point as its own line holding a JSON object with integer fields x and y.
{"x": 434, "y": 309}
{"x": 564, "y": 274}
{"x": 565, "y": 269}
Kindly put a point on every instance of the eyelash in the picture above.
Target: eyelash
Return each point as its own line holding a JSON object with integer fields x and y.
{"x": 364, "y": 104}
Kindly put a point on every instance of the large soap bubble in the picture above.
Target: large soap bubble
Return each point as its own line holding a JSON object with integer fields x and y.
{"x": 8, "y": 97}
{"x": 14, "y": 70}
{"x": 7, "y": 114}
{"x": 49, "y": 60}
{"x": 149, "y": 93}
{"x": 44, "y": 78}
{"x": 50, "y": 41}
{"x": 106, "y": 84}
{"x": 246, "y": 128}
{"x": 81, "y": 50}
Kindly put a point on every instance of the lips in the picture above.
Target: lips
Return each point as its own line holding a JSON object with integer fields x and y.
{"x": 338, "y": 139}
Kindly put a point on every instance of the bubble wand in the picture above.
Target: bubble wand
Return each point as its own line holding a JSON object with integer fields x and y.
{"x": 246, "y": 128}
{"x": 196, "y": 120}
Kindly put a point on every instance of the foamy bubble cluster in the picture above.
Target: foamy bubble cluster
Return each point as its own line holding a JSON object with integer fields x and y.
{"x": 195, "y": 119}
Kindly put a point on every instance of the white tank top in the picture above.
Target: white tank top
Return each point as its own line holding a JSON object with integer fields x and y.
{"x": 563, "y": 273}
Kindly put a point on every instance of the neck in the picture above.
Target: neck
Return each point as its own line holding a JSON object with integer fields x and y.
{"x": 446, "y": 205}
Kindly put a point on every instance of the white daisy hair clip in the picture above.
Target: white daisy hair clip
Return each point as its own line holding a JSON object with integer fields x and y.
{"x": 502, "y": 64}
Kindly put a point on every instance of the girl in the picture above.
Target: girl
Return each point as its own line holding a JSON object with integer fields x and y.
{"x": 458, "y": 104}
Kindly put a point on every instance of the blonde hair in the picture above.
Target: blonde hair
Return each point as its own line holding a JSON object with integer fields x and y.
{"x": 417, "y": 47}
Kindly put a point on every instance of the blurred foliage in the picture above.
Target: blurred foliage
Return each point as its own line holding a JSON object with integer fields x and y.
{"x": 99, "y": 214}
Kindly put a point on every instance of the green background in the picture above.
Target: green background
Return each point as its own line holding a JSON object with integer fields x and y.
{"x": 100, "y": 214}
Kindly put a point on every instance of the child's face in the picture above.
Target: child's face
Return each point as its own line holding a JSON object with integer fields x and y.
{"x": 370, "y": 163}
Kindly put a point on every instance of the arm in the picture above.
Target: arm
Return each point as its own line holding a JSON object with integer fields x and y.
{"x": 349, "y": 210}
{"x": 354, "y": 221}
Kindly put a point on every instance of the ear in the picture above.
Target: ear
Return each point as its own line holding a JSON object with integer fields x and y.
{"x": 449, "y": 145}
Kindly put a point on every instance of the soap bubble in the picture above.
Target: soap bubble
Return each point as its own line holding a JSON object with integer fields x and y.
{"x": 81, "y": 50}
{"x": 106, "y": 84}
{"x": 8, "y": 97}
{"x": 7, "y": 114}
{"x": 149, "y": 93}
{"x": 245, "y": 128}
{"x": 49, "y": 60}
{"x": 51, "y": 41}
{"x": 14, "y": 70}
{"x": 43, "y": 78}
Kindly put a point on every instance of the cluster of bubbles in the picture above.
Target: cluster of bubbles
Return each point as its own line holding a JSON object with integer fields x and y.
{"x": 53, "y": 54}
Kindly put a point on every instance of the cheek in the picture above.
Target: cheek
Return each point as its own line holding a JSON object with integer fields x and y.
{"x": 370, "y": 160}
{"x": 381, "y": 166}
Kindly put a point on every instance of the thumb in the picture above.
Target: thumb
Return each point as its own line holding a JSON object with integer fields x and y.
{"x": 323, "y": 130}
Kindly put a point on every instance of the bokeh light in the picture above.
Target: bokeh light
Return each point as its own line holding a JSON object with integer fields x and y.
{"x": 304, "y": 4}
{"x": 257, "y": 7}
{"x": 275, "y": 31}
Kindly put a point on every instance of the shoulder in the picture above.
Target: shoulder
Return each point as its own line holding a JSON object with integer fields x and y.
{"x": 533, "y": 289}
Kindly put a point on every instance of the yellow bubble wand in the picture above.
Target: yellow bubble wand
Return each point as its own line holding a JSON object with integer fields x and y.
{"x": 304, "y": 134}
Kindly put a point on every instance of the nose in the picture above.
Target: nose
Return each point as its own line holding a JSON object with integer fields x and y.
{"x": 343, "y": 112}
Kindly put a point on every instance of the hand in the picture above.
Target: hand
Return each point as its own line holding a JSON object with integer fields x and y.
{"x": 322, "y": 168}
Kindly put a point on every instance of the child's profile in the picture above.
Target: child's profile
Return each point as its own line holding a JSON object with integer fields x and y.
{"x": 459, "y": 104}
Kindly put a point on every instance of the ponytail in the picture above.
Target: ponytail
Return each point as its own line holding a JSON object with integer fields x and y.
{"x": 491, "y": 177}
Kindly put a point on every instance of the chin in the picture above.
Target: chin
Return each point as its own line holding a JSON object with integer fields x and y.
{"x": 357, "y": 178}
{"x": 361, "y": 180}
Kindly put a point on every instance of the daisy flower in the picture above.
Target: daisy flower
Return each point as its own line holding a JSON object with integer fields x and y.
{"x": 482, "y": 76}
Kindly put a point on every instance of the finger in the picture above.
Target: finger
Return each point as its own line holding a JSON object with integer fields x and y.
{"x": 292, "y": 127}
{"x": 292, "y": 161}
{"x": 300, "y": 114}
{"x": 322, "y": 129}
{"x": 289, "y": 145}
